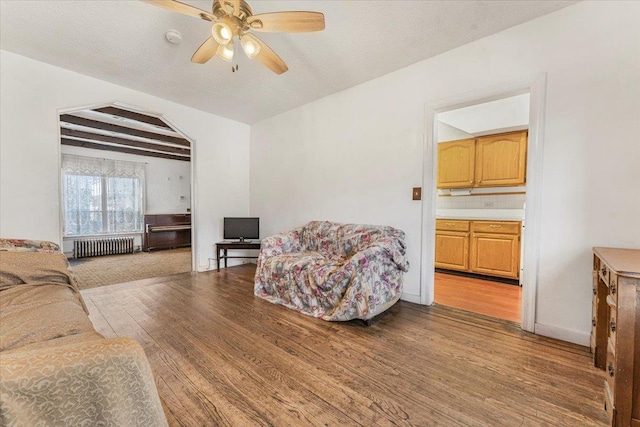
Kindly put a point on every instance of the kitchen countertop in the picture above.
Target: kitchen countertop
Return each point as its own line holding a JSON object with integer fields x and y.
{"x": 488, "y": 214}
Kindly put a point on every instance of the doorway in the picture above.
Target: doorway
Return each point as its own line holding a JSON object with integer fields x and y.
{"x": 126, "y": 194}
{"x": 481, "y": 189}
{"x": 536, "y": 88}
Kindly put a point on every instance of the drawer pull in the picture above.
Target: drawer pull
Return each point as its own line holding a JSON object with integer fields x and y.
{"x": 612, "y": 324}
{"x": 449, "y": 223}
{"x": 494, "y": 226}
{"x": 610, "y": 369}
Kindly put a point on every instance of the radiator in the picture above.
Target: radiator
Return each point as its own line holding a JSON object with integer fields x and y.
{"x": 98, "y": 247}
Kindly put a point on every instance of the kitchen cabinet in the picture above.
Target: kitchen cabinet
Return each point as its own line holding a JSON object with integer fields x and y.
{"x": 501, "y": 160}
{"x": 452, "y": 245}
{"x": 495, "y": 248}
{"x": 488, "y": 161}
{"x": 615, "y": 334}
{"x": 456, "y": 163}
{"x": 490, "y": 248}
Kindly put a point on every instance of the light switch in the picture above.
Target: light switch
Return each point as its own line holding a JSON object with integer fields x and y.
{"x": 417, "y": 193}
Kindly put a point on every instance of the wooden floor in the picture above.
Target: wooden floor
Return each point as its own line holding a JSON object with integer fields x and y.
{"x": 221, "y": 356}
{"x": 494, "y": 299}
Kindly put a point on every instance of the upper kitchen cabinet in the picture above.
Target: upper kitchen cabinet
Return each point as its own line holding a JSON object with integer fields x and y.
{"x": 488, "y": 161}
{"x": 501, "y": 160}
{"x": 456, "y": 163}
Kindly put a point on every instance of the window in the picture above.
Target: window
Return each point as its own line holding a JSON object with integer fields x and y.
{"x": 101, "y": 196}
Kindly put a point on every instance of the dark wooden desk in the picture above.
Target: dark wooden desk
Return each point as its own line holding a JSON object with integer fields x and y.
{"x": 225, "y": 246}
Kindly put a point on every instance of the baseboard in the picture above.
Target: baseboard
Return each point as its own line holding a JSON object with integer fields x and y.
{"x": 212, "y": 266}
{"x": 569, "y": 335}
{"x": 410, "y": 298}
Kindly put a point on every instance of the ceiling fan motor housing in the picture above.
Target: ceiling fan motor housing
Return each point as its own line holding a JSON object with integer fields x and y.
{"x": 245, "y": 9}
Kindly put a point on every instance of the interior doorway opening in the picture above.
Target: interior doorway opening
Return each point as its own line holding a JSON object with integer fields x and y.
{"x": 536, "y": 87}
{"x": 126, "y": 194}
{"x": 480, "y": 208}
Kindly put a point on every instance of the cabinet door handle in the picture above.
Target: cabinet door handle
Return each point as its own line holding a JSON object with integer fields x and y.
{"x": 593, "y": 322}
{"x": 595, "y": 291}
{"x": 612, "y": 324}
{"x": 612, "y": 286}
{"x": 604, "y": 271}
{"x": 610, "y": 369}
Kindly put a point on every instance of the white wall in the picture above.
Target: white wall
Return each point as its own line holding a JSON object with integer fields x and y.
{"x": 32, "y": 92}
{"x": 354, "y": 156}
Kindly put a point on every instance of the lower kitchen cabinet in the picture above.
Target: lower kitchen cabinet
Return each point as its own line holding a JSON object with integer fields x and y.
{"x": 494, "y": 253}
{"x": 452, "y": 245}
{"x": 490, "y": 248}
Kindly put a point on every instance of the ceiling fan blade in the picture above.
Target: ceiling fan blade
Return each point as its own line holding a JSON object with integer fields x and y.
{"x": 287, "y": 22}
{"x": 206, "y": 51}
{"x": 268, "y": 57}
{"x": 185, "y": 9}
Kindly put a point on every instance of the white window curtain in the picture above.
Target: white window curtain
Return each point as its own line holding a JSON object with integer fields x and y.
{"x": 102, "y": 196}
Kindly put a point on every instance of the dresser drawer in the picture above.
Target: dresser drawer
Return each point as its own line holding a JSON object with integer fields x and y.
{"x": 608, "y": 403}
{"x": 612, "y": 326}
{"x": 501, "y": 227}
{"x": 604, "y": 273}
{"x": 452, "y": 225}
{"x": 613, "y": 286}
{"x": 610, "y": 370}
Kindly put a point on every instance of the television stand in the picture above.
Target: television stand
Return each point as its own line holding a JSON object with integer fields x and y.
{"x": 225, "y": 246}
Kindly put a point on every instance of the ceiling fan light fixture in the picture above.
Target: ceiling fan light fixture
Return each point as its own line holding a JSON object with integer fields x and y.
{"x": 222, "y": 32}
{"x": 225, "y": 51}
{"x": 250, "y": 46}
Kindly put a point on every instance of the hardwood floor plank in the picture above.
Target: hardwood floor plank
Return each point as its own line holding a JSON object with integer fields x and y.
{"x": 221, "y": 356}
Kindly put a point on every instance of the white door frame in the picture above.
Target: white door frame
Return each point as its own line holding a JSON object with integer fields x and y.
{"x": 536, "y": 87}
{"x": 194, "y": 245}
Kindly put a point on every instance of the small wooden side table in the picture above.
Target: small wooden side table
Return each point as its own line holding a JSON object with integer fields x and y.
{"x": 225, "y": 246}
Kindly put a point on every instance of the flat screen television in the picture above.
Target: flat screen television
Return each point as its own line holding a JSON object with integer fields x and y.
{"x": 241, "y": 228}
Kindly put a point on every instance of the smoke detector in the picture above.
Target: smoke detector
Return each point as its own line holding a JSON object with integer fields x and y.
{"x": 173, "y": 36}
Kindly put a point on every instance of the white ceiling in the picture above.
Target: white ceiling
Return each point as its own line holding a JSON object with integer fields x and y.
{"x": 501, "y": 114}
{"x": 123, "y": 42}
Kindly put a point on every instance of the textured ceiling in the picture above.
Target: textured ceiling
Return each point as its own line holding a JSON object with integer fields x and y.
{"x": 123, "y": 42}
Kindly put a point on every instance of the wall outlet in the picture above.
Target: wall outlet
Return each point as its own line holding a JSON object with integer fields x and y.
{"x": 488, "y": 204}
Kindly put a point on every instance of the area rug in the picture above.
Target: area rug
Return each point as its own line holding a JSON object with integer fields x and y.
{"x": 108, "y": 270}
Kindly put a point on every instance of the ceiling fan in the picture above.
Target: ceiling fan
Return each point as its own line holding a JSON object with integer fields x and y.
{"x": 233, "y": 18}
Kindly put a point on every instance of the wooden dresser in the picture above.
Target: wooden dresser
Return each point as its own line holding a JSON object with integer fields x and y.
{"x": 615, "y": 336}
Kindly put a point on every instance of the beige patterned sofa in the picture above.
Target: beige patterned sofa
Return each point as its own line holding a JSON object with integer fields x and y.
{"x": 55, "y": 369}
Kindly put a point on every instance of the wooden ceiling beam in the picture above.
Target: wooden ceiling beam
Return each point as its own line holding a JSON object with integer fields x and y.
{"x": 81, "y": 121}
{"x": 138, "y": 117}
{"x": 97, "y": 138}
{"x": 96, "y": 146}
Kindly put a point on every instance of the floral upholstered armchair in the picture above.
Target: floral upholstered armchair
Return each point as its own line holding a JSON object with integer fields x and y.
{"x": 333, "y": 271}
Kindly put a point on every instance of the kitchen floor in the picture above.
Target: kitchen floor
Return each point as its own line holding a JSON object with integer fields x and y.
{"x": 494, "y": 299}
